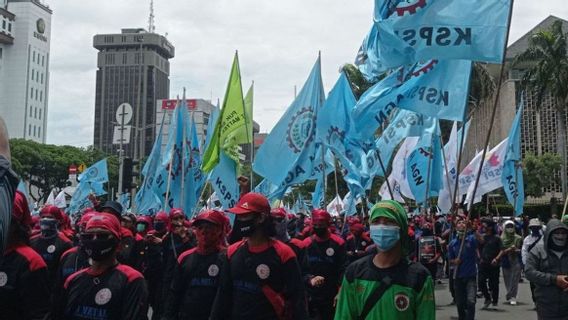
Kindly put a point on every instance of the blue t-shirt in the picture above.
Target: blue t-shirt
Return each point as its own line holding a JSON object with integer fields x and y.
{"x": 468, "y": 266}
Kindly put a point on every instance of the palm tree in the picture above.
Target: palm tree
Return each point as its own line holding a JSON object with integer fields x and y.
{"x": 546, "y": 66}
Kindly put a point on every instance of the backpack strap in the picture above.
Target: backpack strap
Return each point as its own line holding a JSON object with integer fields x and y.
{"x": 375, "y": 296}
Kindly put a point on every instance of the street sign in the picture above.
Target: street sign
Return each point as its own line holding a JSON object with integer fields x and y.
{"x": 125, "y": 135}
{"x": 124, "y": 113}
{"x": 72, "y": 169}
{"x": 82, "y": 167}
{"x": 170, "y": 104}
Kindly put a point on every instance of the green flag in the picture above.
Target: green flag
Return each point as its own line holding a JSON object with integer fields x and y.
{"x": 230, "y": 129}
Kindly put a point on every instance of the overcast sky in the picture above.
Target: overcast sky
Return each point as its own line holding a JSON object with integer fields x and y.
{"x": 278, "y": 42}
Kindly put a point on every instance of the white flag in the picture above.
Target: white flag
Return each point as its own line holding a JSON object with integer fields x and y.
{"x": 335, "y": 206}
{"x": 490, "y": 174}
{"x": 395, "y": 186}
{"x": 50, "y": 199}
{"x": 398, "y": 172}
{"x": 60, "y": 200}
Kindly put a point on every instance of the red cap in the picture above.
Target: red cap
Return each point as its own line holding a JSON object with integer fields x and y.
{"x": 176, "y": 212}
{"x": 357, "y": 227}
{"x": 85, "y": 218}
{"x": 105, "y": 221}
{"x": 278, "y": 213}
{"x": 20, "y": 210}
{"x": 145, "y": 219}
{"x": 319, "y": 215}
{"x": 53, "y": 211}
{"x": 251, "y": 202}
{"x": 162, "y": 216}
{"x": 213, "y": 216}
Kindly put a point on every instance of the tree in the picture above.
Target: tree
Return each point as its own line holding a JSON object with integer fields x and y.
{"x": 546, "y": 72}
{"x": 539, "y": 173}
{"x": 46, "y": 166}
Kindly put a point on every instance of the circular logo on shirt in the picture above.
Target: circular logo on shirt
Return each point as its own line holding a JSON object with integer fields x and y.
{"x": 213, "y": 270}
{"x": 51, "y": 249}
{"x": 330, "y": 252}
{"x": 364, "y": 243}
{"x": 103, "y": 296}
{"x": 3, "y": 279}
{"x": 263, "y": 271}
{"x": 401, "y": 302}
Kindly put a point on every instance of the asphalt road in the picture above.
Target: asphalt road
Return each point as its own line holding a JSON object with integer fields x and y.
{"x": 522, "y": 311}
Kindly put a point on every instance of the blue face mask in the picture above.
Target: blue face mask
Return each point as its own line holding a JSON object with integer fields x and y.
{"x": 385, "y": 237}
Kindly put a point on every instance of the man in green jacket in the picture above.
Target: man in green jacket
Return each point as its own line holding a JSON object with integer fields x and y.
{"x": 407, "y": 288}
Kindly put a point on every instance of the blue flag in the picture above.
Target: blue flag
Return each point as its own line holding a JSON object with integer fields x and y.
{"x": 124, "y": 200}
{"x": 22, "y": 188}
{"x": 194, "y": 177}
{"x": 318, "y": 195}
{"x": 224, "y": 180}
{"x": 98, "y": 172}
{"x": 384, "y": 8}
{"x": 289, "y": 154}
{"x": 146, "y": 200}
{"x": 512, "y": 176}
{"x": 444, "y": 29}
{"x": 211, "y": 124}
{"x": 80, "y": 199}
{"x": 424, "y": 167}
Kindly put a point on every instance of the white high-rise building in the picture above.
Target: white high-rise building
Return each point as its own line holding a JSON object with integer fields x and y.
{"x": 25, "y": 35}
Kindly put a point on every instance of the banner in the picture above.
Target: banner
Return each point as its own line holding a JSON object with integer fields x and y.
{"x": 491, "y": 173}
{"x": 223, "y": 178}
{"x": 424, "y": 168}
{"x": 98, "y": 172}
{"x": 512, "y": 177}
{"x": 444, "y": 29}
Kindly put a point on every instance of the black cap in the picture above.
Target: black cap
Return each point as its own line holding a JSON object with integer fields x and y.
{"x": 112, "y": 207}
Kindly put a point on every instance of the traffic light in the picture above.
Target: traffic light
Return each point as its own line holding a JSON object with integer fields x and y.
{"x": 126, "y": 174}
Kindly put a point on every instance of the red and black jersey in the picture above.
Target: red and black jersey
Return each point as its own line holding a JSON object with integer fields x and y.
{"x": 195, "y": 285}
{"x": 51, "y": 249}
{"x": 71, "y": 261}
{"x": 326, "y": 258}
{"x": 24, "y": 286}
{"x": 119, "y": 293}
{"x": 357, "y": 245}
{"x": 260, "y": 283}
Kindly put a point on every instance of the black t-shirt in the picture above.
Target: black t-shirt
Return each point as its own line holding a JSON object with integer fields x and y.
{"x": 24, "y": 288}
{"x": 51, "y": 250}
{"x": 119, "y": 293}
{"x": 325, "y": 258}
{"x": 194, "y": 286}
{"x": 254, "y": 279}
{"x": 490, "y": 248}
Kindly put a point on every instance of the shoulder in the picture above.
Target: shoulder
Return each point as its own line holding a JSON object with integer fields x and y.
{"x": 130, "y": 273}
{"x": 68, "y": 252}
{"x": 307, "y": 242}
{"x": 359, "y": 268}
{"x": 297, "y": 242}
{"x": 284, "y": 251}
{"x": 32, "y": 257}
{"x": 74, "y": 276}
{"x": 185, "y": 254}
{"x": 350, "y": 237}
{"x": 125, "y": 233}
{"x": 234, "y": 247}
{"x": 337, "y": 239}
{"x": 63, "y": 237}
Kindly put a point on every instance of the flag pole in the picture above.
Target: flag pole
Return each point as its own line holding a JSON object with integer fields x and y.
{"x": 170, "y": 167}
{"x": 323, "y": 173}
{"x": 251, "y": 140}
{"x": 428, "y": 176}
{"x": 378, "y": 154}
{"x": 488, "y": 137}
{"x": 183, "y": 149}
{"x": 446, "y": 168}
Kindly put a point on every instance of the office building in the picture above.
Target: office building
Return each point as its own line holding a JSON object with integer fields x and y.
{"x": 133, "y": 67}
{"x": 25, "y": 38}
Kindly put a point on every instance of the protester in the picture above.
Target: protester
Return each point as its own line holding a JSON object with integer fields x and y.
{"x": 75, "y": 258}
{"x": 151, "y": 262}
{"x": 356, "y": 241}
{"x": 511, "y": 262}
{"x": 24, "y": 282}
{"x": 127, "y": 239}
{"x": 387, "y": 285}
{"x": 326, "y": 262}
{"x": 261, "y": 278}
{"x": 489, "y": 267}
{"x": 280, "y": 219}
{"x": 107, "y": 288}
{"x": 196, "y": 277}
{"x": 50, "y": 244}
{"x": 530, "y": 241}
{"x": 464, "y": 258}
{"x": 547, "y": 268}
{"x": 429, "y": 250}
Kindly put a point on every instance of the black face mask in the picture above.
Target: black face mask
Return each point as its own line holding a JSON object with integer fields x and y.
{"x": 247, "y": 227}
{"x": 48, "y": 227}
{"x": 320, "y": 231}
{"x": 535, "y": 231}
{"x": 100, "y": 248}
{"x": 160, "y": 226}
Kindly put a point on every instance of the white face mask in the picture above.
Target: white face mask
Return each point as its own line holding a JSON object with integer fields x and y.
{"x": 559, "y": 239}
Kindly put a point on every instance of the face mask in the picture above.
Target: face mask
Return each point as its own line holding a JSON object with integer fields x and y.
{"x": 559, "y": 239}
{"x": 100, "y": 248}
{"x": 460, "y": 233}
{"x": 535, "y": 231}
{"x": 247, "y": 227}
{"x": 160, "y": 226}
{"x": 48, "y": 227}
{"x": 385, "y": 237}
{"x": 140, "y": 227}
{"x": 320, "y": 231}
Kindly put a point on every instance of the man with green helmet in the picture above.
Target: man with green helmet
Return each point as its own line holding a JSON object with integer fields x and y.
{"x": 387, "y": 285}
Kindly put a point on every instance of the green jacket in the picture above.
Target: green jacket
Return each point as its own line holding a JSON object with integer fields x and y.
{"x": 411, "y": 295}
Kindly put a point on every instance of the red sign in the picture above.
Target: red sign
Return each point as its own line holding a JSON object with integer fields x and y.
{"x": 170, "y": 104}
{"x": 72, "y": 169}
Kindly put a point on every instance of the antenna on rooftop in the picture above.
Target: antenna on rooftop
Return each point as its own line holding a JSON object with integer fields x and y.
{"x": 151, "y": 26}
